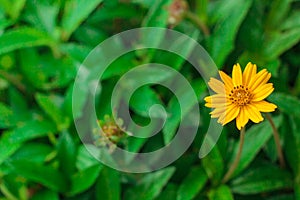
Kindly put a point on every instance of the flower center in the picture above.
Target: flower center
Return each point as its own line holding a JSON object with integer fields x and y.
{"x": 240, "y": 95}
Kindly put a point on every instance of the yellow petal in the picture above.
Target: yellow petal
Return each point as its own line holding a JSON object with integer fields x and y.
{"x": 231, "y": 112}
{"x": 237, "y": 77}
{"x": 209, "y": 105}
{"x": 242, "y": 119}
{"x": 226, "y": 79}
{"x": 216, "y": 98}
{"x": 262, "y": 92}
{"x": 264, "y": 106}
{"x": 260, "y": 78}
{"x": 217, "y": 86}
{"x": 248, "y": 73}
{"x": 216, "y": 105}
{"x": 253, "y": 113}
{"x": 218, "y": 111}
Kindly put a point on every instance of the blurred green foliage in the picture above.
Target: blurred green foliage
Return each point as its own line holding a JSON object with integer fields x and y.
{"x": 42, "y": 45}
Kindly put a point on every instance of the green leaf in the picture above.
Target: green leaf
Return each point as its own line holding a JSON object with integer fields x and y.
{"x": 76, "y": 11}
{"x": 279, "y": 9}
{"x": 11, "y": 141}
{"x": 221, "y": 193}
{"x": 143, "y": 99}
{"x": 123, "y": 11}
{"x": 136, "y": 143}
{"x": 6, "y": 117}
{"x": 31, "y": 130}
{"x": 45, "y": 195}
{"x": 45, "y": 175}
{"x": 76, "y": 51}
{"x": 36, "y": 152}
{"x": 45, "y": 72}
{"x": 170, "y": 192}
{"x": 83, "y": 180}
{"x": 13, "y": 7}
{"x": 84, "y": 159}
{"x": 22, "y": 38}
{"x": 42, "y": 15}
{"x": 7, "y": 147}
{"x": 47, "y": 104}
{"x": 292, "y": 144}
{"x": 221, "y": 42}
{"x": 158, "y": 14}
{"x": 19, "y": 106}
{"x": 213, "y": 164}
{"x": 184, "y": 47}
{"x": 192, "y": 184}
{"x": 297, "y": 190}
{"x": 108, "y": 185}
{"x": 286, "y": 103}
{"x": 255, "y": 138}
{"x": 150, "y": 185}
{"x": 280, "y": 42}
{"x": 174, "y": 108}
{"x": 292, "y": 21}
{"x": 262, "y": 179}
{"x": 66, "y": 152}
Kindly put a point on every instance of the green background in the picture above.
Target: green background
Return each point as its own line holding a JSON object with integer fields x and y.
{"x": 42, "y": 45}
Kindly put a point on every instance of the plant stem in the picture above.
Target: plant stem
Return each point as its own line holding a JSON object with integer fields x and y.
{"x": 237, "y": 158}
{"x": 13, "y": 80}
{"x": 196, "y": 20}
{"x": 277, "y": 140}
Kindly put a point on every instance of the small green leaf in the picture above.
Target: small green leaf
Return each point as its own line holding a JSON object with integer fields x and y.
{"x": 7, "y": 147}
{"x": 286, "y": 103}
{"x": 170, "y": 192}
{"x": 186, "y": 105}
{"x": 292, "y": 21}
{"x": 262, "y": 179}
{"x": 76, "y": 11}
{"x": 6, "y": 117}
{"x": 12, "y": 140}
{"x": 31, "y": 130}
{"x": 47, "y": 104}
{"x": 233, "y": 14}
{"x": 108, "y": 185}
{"x": 221, "y": 193}
{"x": 213, "y": 164}
{"x": 184, "y": 47}
{"x": 83, "y": 180}
{"x": 36, "y": 152}
{"x": 150, "y": 185}
{"x": 45, "y": 175}
{"x": 143, "y": 99}
{"x": 158, "y": 14}
{"x": 76, "y": 51}
{"x": 13, "y": 8}
{"x": 292, "y": 144}
{"x": 45, "y": 195}
{"x": 192, "y": 184}
{"x": 66, "y": 152}
{"x": 123, "y": 11}
{"x": 22, "y": 38}
{"x": 42, "y": 15}
{"x": 84, "y": 159}
{"x": 279, "y": 9}
{"x": 279, "y": 42}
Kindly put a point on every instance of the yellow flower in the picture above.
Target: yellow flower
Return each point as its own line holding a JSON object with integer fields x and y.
{"x": 242, "y": 96}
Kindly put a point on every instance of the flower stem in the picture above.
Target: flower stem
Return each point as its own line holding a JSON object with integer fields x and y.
{"x": 196, "y": 20}
{"x": 277, "y": 140}
{"x": 237, "y": 158}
